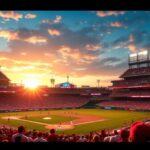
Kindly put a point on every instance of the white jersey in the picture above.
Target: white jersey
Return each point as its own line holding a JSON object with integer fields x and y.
{"x": 22, "y": 137}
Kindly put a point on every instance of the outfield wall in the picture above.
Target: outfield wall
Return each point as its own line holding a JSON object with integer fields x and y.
{"x": 120, "y": 108}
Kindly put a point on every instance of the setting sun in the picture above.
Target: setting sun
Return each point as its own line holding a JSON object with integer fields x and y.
{"x": 31, "y": 83}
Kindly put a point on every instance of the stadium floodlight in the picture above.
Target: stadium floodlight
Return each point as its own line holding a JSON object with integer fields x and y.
{"x": 133, "y": 55}
{"x": 143, "y": 52}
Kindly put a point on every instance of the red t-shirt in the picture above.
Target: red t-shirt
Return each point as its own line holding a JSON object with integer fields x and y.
{"x": 52, "y": 138}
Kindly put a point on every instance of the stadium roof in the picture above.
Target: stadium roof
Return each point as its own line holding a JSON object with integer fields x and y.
{"x": 3, "y": 76}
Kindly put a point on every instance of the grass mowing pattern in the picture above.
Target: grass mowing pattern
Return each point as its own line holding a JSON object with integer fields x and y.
{"x": 116, "y": 119}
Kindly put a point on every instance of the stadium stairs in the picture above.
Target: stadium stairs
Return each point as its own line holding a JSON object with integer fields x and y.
{"x": 91, "y": 104}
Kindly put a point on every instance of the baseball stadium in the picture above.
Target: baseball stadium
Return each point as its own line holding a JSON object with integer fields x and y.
{"x": 65, "y": 112}
{"x": 71, "y": 110}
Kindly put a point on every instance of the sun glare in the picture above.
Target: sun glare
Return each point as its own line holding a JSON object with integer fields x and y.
{"x": 31, "y": 83}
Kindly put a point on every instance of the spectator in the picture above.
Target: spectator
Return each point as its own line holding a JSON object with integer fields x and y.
{"x": 52, "y": 137}
{"x": 20, "y": 137}
{"x": 139, "y": 132}
{"x": 29, "y": 135}
{"x": 82, "y": 139}
{"x": 124, "y": 134}
{"x": 5, "y": 141}
{"x": 107, "y": 139}
{"x": 40, "y": 138}
{"x": 96, "y": 138}
{"x": 116, "y": 137}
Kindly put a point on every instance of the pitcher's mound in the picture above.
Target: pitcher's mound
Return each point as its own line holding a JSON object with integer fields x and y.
{"x": 47, "y": 118}
{"x": 59, "y": 127}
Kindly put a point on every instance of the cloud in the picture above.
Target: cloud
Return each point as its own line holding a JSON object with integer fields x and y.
{"x": 30, "y": 16}
{"x": 132, "y": 48}
{"x": 11, "y": 15}
{"x": 80, "y": 69}
{"x": 54, "y": 32}
{"x": 109, "y": 13}
{"x": 24, "y": 62}
{"x": 127, "y": 43}
{"x": 23, "y": 53}
{"x": 76, "y": 52}
{"x": 15, "y": 35}
{"x": 116, "y": 24}
{"x": 9, "y": 35}
{"x": 74, "y": 39}
{"x": 76, "y": 55}
{"x": 110, "y": 61}
{"x": 70, "y": 50}
{"x": 58, "y": 19}
{"x": 25, "y": 67}
{"x": 36, "y": 39}
{"x": 92, "y": 47}
{"x": 131, "y": 38}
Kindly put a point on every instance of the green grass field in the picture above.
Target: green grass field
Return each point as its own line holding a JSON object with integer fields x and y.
{"x": 54, "y": 119}
{"x": 115, "y": 119}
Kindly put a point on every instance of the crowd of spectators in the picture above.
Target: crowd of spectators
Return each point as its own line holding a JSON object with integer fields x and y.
{"x": 49, "y": 102}
{"x": 130, "y": 93}
{"x": 132, "y": 82}
{"x": 136, "y": 105}
{"x": 136, "y": 72}
{"x": 137, "y": 132}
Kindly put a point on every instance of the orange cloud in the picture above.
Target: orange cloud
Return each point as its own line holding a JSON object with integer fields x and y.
{"x": 54, "y": 32}
{"x": 109, "y": 13}
{"x": 76, "y": 55}
{"x": 11, "y": 15}
{"x": 9, "y": 35}
{"x": 30, "y": 16}
{"x": 12, "y": 35}
{"x": 23, "y": 54}
{"x": 36, "y": 39}
{"x": 23, "y": 62}
{"x": 116, "y": 24}
{"x": 48, "y": 54}
{"x": 132, "y": 48}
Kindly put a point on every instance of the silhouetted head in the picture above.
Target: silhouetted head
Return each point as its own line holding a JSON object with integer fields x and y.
{"x": 52, "y": 131}
{"x": 21, "y": 129}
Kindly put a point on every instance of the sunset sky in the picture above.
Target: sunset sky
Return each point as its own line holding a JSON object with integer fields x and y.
{"x": 86, "y": 45}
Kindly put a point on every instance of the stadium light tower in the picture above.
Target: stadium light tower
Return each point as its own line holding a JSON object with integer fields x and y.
{"x": 52, "y": 80}
{"x": 98, "y": 81}
{"x": 143, "y": 52}
{"x": 67, "y": 78}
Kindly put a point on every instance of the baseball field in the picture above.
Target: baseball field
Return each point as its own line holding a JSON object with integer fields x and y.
{"x": 78, "y": 121}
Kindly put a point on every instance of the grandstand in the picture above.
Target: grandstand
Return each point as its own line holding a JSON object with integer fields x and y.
{"x": 135, "y": 82}
{"x": 4, "y": 80}
{"x": 132, "y": 91}
{"x": 18, "y": 98}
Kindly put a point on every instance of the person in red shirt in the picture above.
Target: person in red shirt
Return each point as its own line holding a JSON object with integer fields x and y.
{"x": 139, "y": 132}
{"x": 124, "y": 135}
{"x": 52, "y": 137}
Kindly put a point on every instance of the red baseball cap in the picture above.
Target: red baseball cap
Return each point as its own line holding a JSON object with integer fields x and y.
{"x": 139, "y": 132}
